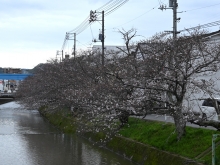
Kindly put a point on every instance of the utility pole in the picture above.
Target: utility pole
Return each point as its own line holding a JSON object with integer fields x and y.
{"x": 93, "y": 17}
{"x": 103, "y": 39}
{"x": 175, "y": 19}
{"x": 74, "y": 49}
{"x": 62, "y": 55}
{"x": 69, "y": 37}
{"x": 58, "y": 53}
{"x": 175, "y": 5}
{"x": 172, "y": 5}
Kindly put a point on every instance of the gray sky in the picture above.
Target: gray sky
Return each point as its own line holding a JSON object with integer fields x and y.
{"x": 31, "y": 31}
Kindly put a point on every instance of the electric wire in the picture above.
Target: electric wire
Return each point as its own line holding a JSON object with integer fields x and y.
{"x": 216, "y": 23}
{"x": 64, "y": 43}
{"x": 119, "y": 3}
{"x": 83, "y": 28}
{"x": 111, "y": 5}
{"x": 91, "y": 32}
{"x": 105, "y": 8}
{"x": 213, "y": 17}
{"x": 204, "y": 25}
{"x": 137, "y": 17}
{"x": 99, "y": 9}
{"x": 81, "y": 25}
{"x": 201, "y": 8}
{"x": 82, "y": 43}
{"x": 108, "y": 8}
{"x": 116, "y": 8}
{"x": 112, "y": 10}
{"x": 159, "y": 2}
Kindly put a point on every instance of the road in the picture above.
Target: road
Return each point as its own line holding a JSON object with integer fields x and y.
{"x": 169, "y": 119}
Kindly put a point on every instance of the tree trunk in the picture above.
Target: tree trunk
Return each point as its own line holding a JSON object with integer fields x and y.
{"x": 180, "y": 123}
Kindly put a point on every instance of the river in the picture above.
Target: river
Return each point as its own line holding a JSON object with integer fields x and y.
{"x": 28, "y": 139}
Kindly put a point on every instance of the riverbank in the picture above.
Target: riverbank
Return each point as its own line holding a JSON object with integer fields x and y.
{"x": 149, "y": 142}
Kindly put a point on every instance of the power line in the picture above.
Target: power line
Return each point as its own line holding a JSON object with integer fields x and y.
{"x": 139, "y": 15}
{"x": 112, "y": 10}
{"x": 201, "y": 8}
{"x": 82, "y": 44}
{"x": 112, "y": 5}
{"x": 135, "y": 18}
{"x": 81, "y": 27}
{"x": 64, "y": 43}
{"x": 99, "y": 9}
{"x": 216, "y": 23}
{"x": 213, "y": 17}
{"x": 108, "y": 8}
{"x": 91, "y": 32}
{"x": 160, "y": 2}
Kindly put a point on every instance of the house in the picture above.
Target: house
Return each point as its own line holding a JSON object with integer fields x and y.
{"x": 214, "y": 36}
{"x": 195, "y": 97}
{"x": 12, "y": 70}
{"x": 110, "y": 50}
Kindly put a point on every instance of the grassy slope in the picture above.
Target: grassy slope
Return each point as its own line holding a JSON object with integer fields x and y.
{"x": 157, "y": 134}
{"x": 161, "y": 135}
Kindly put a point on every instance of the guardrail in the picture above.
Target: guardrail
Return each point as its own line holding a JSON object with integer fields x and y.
{"x": 6, "y": 95}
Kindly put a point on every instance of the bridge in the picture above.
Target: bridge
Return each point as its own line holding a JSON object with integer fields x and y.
{"x": 11, "y": 76}
{"x": 7, "y": 97}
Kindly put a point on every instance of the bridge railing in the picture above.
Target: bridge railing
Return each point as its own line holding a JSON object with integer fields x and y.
{"x": 6, "y": 95}
{"x": 9, "y": 76}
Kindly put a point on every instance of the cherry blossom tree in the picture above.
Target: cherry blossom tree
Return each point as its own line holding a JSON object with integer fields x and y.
{"x": 158, "y": 75}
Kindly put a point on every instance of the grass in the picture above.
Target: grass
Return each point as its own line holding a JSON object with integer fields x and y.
{"x": 208, "y": 158}
{"x": 61, "y": 119}
{"x": 162, "y": 136}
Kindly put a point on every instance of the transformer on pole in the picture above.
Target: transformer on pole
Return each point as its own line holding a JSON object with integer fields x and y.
{"x": 171, "y": 3}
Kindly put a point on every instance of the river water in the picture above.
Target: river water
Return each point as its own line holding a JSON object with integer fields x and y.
{"x": 28, "y": 139}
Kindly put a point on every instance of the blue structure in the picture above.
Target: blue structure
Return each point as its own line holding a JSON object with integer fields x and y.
{"x": 14, "y": 76}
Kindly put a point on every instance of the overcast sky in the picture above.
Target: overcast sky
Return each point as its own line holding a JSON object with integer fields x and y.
{"x": 31, "y": 31}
